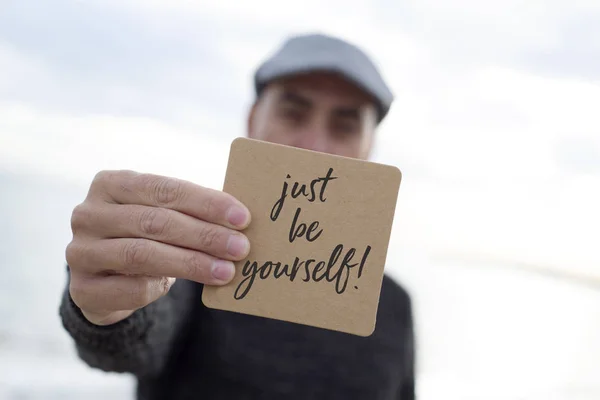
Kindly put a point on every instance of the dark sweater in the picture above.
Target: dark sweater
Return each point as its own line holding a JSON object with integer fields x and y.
{"x": 179, "y": 349}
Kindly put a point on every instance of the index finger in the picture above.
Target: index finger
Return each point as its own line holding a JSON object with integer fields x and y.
{"x": 129, "y": 187}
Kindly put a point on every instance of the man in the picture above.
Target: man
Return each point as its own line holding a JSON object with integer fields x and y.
{"x": 135, "y": 234}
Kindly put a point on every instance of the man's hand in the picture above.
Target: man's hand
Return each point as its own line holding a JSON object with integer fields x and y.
{"x": 136, "y": 233}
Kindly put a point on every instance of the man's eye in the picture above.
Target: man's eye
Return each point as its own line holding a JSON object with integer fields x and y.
{"x": 342, "y": 128}
{"x": 292, "y": 114}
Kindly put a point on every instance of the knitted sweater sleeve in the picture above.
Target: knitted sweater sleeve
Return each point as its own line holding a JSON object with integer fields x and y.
{"x": 140, "y": 344}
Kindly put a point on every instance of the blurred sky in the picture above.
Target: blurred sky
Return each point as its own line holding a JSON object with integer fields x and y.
{"x": 496, "y": 126}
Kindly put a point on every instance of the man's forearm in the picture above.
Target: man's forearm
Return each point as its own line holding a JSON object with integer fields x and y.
{"x": 139, "y": 344}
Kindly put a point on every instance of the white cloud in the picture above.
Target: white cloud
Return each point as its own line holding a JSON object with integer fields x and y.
{"x": 470, "y": 142}
{"x": 496, "y": 125}
{"x": 75, "y": 148}
{"x": 551, "y": 222}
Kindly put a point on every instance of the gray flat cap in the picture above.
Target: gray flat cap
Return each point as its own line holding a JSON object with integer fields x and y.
{"x": 318, "y": 52}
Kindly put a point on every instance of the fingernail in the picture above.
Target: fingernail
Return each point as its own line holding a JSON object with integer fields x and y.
{"x": 223, "y": 270}
{"x": 237, "y": 245}
{"x": 237, "y": 216}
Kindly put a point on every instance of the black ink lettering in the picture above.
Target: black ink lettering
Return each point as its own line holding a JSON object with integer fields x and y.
{"x": 335, "y": 254}
{"x": 280, "y": 271}
{"x": 311, "y": 228}
{"x": 320, "y": 265}
{"x": 301, "y": 189}
{"x": 332, "y": 270}
{"x": 279, "y": 203}
{"x": 297, "y": 192}
{"x": 264, "y": 272}
{"x": 249, "y": 268}
{"x": 295, "y": 269}
{"x": 296, "y": 232}
{"x": 306, "y": 270}
{"x": 364, "y": 259}
{"x": 325, "y": 180}
{"x": 313, "y": 195}
{"x": 344, "y": 268}
{"x": 301, "y": 230}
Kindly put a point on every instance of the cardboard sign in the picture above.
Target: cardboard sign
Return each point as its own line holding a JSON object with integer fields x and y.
{"x": 319, "y": 236}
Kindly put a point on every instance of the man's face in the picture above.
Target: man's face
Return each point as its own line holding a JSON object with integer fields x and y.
{"x": 320, "y": 112}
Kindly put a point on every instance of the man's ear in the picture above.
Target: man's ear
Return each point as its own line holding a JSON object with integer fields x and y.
{"x": 368, "y": 147}
{"x": 370, "y": 125}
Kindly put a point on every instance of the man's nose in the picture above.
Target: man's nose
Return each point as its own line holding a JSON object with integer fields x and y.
{"x": 314, "y": 139}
